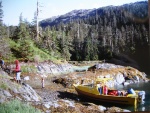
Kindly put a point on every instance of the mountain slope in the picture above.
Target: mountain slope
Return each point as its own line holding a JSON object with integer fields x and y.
{"x": 137, "y": 9}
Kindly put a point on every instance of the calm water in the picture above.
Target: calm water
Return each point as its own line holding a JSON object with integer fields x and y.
{"x": 139, "y": 86}
{"x": 142, "y": 58}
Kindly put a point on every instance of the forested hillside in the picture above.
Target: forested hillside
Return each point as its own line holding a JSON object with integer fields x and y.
{"x": 98, "y": 33}
{"x": 81, "y": 34}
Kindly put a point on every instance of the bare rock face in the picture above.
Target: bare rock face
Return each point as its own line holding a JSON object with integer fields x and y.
{"x": 52, "y": 68}
{"x": 10, "y": 90}
{"x": 28, "y": 94}
{"x": 4, "y": 94}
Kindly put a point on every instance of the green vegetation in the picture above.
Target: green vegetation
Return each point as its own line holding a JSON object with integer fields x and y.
{"x": 28, "y": 69}
{"x": 15, "y": 106}
{"x": 4, "y": 86}
{"x": 30, "y": 52}
{"x": 101, "y": 34}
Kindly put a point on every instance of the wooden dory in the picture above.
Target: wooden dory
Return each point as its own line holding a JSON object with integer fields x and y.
{"x": 91, "y": 91}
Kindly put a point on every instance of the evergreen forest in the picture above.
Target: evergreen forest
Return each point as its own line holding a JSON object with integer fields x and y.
{"x": 94, "y": 34}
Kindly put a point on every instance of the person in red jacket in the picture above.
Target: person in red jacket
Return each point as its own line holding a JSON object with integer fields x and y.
{"x": 17, "y": 70}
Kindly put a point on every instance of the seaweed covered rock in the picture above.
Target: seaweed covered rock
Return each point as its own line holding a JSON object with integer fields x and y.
{"x": 66, "y": 82}
{"x": 120, "y": 74}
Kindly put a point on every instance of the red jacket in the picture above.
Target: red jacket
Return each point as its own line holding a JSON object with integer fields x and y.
{"x": 18, "y": 68}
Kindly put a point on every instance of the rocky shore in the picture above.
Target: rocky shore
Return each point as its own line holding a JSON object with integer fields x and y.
{"x": 59, "y": 95}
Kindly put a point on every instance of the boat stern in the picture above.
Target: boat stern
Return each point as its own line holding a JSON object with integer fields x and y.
{"x": 141, "y": 96}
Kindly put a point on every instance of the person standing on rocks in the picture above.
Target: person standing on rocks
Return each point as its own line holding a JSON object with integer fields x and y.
{"x": 2, "y": 63}
{"x": 17, "y": 70}
{"x": 43, "y": 85}
{"x": 41, "y": 72}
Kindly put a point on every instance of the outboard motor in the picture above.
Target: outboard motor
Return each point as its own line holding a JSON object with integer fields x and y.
{"x": 141, "y": 96}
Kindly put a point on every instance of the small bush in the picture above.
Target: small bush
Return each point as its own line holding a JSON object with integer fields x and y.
{"x": 16, "y": 106}
{"x": 4, "y": 86}
{"x": 28, "y": 69}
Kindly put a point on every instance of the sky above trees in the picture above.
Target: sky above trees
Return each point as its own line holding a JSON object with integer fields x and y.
{"x": 48, "y": 8}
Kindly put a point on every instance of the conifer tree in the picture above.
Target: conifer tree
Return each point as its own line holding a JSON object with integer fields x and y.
{"x": 87, "y": 49}
{"x": 4, "y": 45}
{"x": 1, "y": 13}
{"x": 23, "y": 39}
